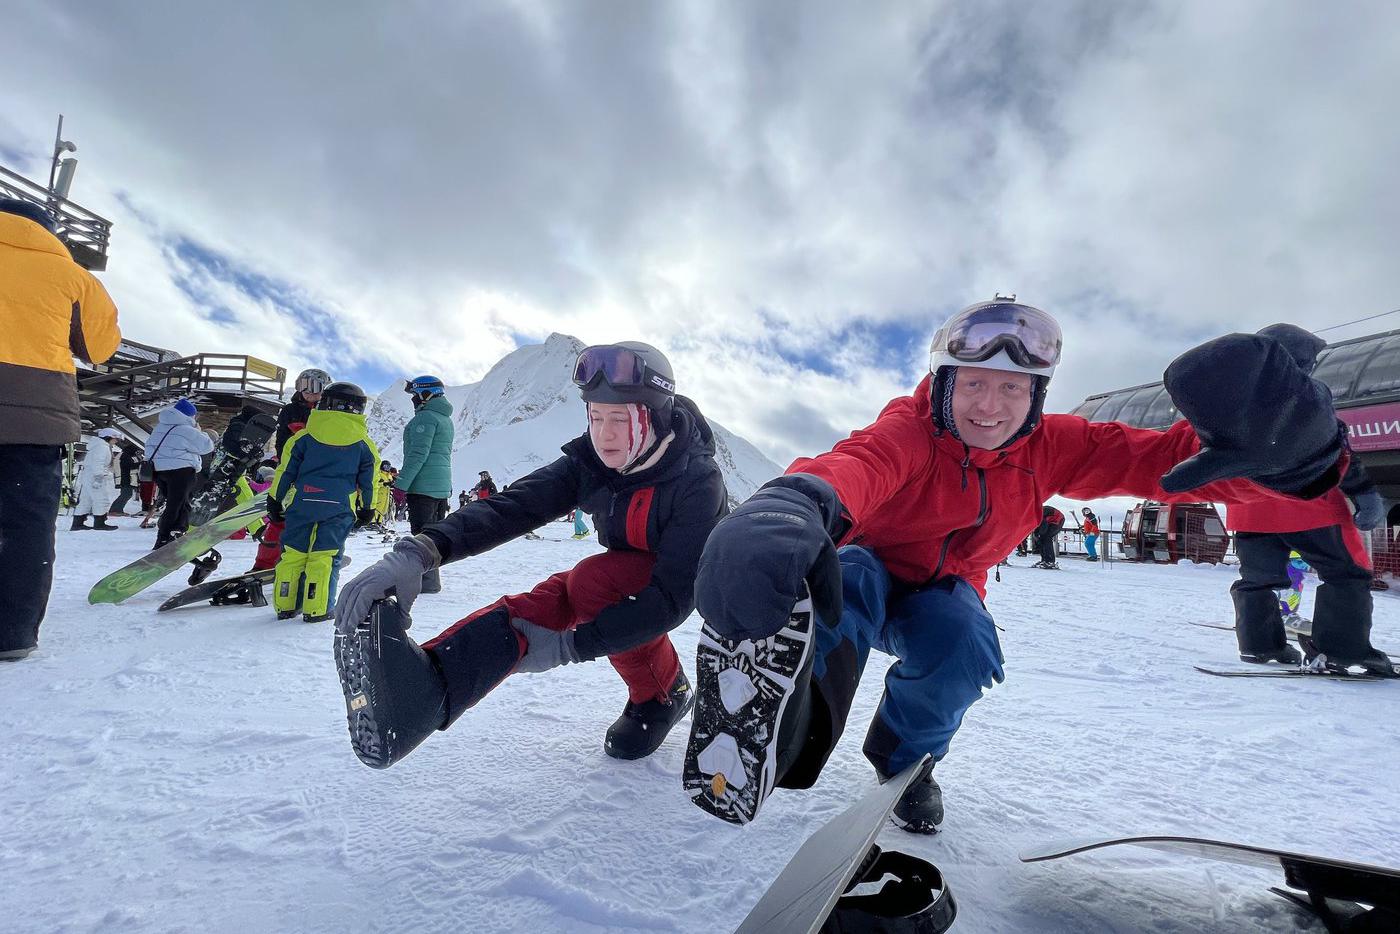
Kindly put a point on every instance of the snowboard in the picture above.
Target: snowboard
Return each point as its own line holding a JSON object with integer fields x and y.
{"x": 807, "y": 890}
{"x": 1264, "y": 672}
{"x": 1336, "y": 891}
{"x": 152, "y": 566}
{"x": 242, "y": 590}
{"x": 217, "y": 492}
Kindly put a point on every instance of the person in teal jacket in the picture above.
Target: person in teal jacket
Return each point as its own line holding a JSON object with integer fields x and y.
{"x": 324, "y": 483}
{"x": 426, "y": 475}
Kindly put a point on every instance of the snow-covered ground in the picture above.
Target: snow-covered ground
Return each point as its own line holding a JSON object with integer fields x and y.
{"x": 190, "y": 771}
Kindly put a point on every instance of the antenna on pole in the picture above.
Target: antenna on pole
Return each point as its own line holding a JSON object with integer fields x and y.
{"x": 61, "y": 174}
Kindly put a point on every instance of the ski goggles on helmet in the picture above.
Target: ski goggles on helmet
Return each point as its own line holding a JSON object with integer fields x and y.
{"x": 1030, "y": 337}
{"x": 620, "y": 366}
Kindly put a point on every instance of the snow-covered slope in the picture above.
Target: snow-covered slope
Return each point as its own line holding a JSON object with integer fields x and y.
{"x": 515, "y": 419}
{"x": 191, "y": 771}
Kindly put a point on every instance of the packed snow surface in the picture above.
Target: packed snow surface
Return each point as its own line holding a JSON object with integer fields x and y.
{"x": 191, "y": 771}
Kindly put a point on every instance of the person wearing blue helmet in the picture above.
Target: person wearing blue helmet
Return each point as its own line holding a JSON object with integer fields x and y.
{"x": 426, "y": 475}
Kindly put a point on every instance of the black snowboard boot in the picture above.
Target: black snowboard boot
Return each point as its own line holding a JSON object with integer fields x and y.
{"x": 204, "y": 566}
{"x": 287, "y": 614}
{"x": 921, "y": 808}
{"x": 79, "y": 524}
{"x": 101, "y": 524}
{"x": 753, "y": 697}
{"x": 1373, "y": 661}
{"x": 641, "y": 728}
{"x": 395, "y": 696}
{"x": 308, "y": 618}
{"x": 1287, "y": 655}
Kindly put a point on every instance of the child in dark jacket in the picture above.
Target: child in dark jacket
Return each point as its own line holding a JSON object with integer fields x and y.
{"x": 328, "y": 469}
{"x": 646, "y": 472}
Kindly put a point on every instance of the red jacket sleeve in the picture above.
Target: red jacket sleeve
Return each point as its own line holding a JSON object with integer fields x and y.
{"x": 1092, "y": 460}
{"x": 875, "y": 463}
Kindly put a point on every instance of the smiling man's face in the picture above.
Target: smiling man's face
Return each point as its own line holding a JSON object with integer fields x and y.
{"x": 989, "y": 406}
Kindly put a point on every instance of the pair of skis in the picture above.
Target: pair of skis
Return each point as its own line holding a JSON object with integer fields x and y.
{"x": 1270, "y": 671}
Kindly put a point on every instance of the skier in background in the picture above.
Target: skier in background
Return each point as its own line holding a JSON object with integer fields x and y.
{"x": 306, "y": 392}
{"x": 884, "y": 543}
{"x": 1090, "y": 528}
{"x": 580, "y": 527}
{"x": 96, "y": 482}
{"x": 426, "y": 475}
{"x": 1290, "y": 601}
{"x": 324, "y": 483}
{"x": 485, "y": 486}
{"x": 463, "y": 499}
{"x": 128, "y": 463}
{"x": 1052, "y": 522}
{"x": 645, "y": 470}
{"x": 383, "y": 482}
{"x": 177, "y": 448}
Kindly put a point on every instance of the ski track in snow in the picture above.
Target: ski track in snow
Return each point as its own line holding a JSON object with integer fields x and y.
{"x": 191, "y": 771}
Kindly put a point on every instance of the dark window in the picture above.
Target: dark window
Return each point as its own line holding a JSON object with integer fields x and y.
{"x": 1382, "y": 374}
{"x": 1136, "y": 407}
{"x": 1161, "y": 413}
{"x": 1341, "y": 366}
{"x": 1108, "y": 412}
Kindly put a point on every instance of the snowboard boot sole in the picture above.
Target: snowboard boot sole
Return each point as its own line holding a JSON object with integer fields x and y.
{"x": 742, "y": 690}
{"x": 391, "y": 704}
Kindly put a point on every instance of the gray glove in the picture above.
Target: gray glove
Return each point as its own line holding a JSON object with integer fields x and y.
{"x": 545, "y": 648}
{"x": 400, "y": 572}
{"x": 1370, "y": 510}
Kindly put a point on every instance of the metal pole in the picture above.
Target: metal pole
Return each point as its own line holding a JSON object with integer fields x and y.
{"x": 57, "y": 148}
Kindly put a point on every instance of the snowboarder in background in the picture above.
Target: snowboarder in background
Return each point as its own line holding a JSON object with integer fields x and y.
{"x": 177, "y": 448}
{"x": 1052, "y": 522}
{"x": 383, "y": 481}
{"x": 580, "y": 527}
{"x": 306, "y": 393}
{"x": 96, "y": 482}
{"x": 1326, "y": 532}
{"x": 128, "y": 463}
{"x": 884, "y": 543}
{"x": 645, "y": 470}
{"x": 485, "y": 486}
{"x": 1090, "y": 528}
{"x": 426, "y": 475}
{"x": 324, "y": 483}
{"x": 51, "y": 310}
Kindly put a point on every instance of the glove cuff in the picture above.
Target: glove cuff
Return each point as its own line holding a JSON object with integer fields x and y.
{"x": 422, "y": 548}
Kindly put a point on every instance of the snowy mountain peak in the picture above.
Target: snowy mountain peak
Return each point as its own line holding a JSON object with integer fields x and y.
{"x": 516, "y": 417}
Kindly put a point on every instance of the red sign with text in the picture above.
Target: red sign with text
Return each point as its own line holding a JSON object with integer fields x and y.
{"x": 1373, "y": 427}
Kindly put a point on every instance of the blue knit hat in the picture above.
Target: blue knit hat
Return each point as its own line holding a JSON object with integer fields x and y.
{"x": 187, "y": 407}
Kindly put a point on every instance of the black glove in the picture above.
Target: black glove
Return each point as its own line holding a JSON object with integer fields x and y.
{"x": 275, "y": 511}
{"x": 755, "y": 561}
{"x": 1258, "y": 416}
{"x": 1370, "y": 510}
{"x": 363, "y": 517}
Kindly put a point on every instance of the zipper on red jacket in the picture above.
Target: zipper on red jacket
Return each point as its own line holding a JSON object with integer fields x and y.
{"x": 983, "y": 508}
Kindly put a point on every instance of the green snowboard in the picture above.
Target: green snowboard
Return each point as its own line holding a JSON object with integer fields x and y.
{"x": 149, "y": 568}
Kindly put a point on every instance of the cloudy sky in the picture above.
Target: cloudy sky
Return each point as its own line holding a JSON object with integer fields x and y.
{"x": 786, "y": 197}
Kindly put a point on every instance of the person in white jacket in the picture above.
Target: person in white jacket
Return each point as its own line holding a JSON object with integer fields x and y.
{"x": 97, "y": 482}
{"x": 176, "y": 448}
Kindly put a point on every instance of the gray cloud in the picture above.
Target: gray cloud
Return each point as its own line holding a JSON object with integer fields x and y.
{"x": 442, "y": 179}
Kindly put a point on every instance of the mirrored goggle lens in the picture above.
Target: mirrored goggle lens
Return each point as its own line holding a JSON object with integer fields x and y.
{"x": 619, "y": 366}
{"x": 1031, "y": 338}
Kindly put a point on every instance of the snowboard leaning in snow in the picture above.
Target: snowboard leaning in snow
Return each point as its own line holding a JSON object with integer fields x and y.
{"x": 1337, "y": 891}
{"x": 242, "y": 590}
{"x": 811, "y": 885}
{"x": 152, "y": 566}
{"x": 218, "y": 491}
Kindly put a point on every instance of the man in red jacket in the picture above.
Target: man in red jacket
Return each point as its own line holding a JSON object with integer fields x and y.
{"x": 884, "y": 542}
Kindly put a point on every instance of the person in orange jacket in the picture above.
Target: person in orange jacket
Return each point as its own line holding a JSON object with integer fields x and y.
{"x": 1090, "y": 528}
{"x": 51, "y": 310}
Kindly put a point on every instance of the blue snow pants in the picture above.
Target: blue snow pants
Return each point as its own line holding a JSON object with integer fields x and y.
{"x": 946, "y": 648}
{"x": 311, "y": 549}
{"x": 1091, "y": 545}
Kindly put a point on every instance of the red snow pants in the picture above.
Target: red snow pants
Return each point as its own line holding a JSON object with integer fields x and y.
{"x": 270, "y": 548}
{"x": 571, "y": 597}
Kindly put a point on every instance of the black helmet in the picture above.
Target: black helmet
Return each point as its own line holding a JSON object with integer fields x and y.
{"x": 343, "y": 397}
{"x": 312, "y": 380}
{"x": 628, "y": 372}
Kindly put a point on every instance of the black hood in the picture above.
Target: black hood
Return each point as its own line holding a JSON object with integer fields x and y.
{"x": 1303, "y": 346}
